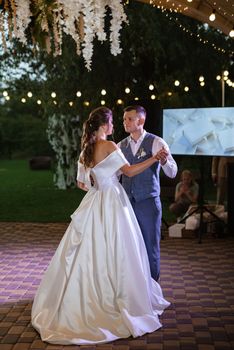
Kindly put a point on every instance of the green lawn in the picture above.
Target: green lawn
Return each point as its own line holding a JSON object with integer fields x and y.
{"x": 30, "y": 195}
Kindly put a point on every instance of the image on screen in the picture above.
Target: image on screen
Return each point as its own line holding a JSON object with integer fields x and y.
{"x": 199, "y": 131}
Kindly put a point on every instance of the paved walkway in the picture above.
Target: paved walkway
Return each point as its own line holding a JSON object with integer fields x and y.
{"x": 198, "y": 280}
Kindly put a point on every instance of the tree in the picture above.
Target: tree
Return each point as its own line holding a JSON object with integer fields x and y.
{"x": 155, "y": 50}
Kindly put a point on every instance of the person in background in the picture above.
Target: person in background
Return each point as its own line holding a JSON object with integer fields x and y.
{"x": 219, "y": 173}
{"x": 143, "y": 189}
{"x": 186, "y": 193}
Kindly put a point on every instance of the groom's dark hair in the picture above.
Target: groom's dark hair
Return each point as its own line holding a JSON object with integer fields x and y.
{"x": 137, "y": 108}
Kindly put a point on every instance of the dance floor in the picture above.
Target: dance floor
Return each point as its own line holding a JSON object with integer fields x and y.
{"x": 198, "y": 280}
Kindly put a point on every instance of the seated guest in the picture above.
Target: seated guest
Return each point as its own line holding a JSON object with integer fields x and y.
{"x": 186, "y": 193}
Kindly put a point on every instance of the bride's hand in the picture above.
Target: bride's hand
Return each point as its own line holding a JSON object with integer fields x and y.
{"x": 162, "y": 155}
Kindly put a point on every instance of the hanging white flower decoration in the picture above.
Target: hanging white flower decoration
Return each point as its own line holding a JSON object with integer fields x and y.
{"x": 82, "y": 19}
{"x": 118, "y": 17}
{"x": 22, "y": 18}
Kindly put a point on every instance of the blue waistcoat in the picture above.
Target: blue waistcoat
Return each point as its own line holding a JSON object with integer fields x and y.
{"x": 146, "y": 184}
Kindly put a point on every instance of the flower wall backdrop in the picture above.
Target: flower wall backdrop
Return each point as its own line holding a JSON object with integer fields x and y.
{"x": 43, "y": 22}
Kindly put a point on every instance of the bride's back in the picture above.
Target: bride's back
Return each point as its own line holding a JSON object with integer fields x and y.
{"x": 102, "y": 149}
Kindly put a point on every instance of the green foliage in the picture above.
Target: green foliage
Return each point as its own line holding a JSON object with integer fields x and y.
{"x": 155, "y": 50}
{"x": 23, "y": 136}
{"x": 30, "y": 196}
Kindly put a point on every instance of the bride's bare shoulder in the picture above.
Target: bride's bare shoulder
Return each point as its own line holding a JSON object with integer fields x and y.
{"x": 111, "y": 146}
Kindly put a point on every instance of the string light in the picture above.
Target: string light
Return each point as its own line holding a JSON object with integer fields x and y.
{"x": 225, "y": 77}
{"x": 29, "y": 94}
{"x": 212, "y": 16}
{"x": 231, "y": 33}
{"x": 119, "y": 102}
{"x": 203, "y": 41}
{"x": 103, "y": 92}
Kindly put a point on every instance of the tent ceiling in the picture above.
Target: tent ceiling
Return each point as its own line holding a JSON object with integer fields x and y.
{"x": 201, "y": 10}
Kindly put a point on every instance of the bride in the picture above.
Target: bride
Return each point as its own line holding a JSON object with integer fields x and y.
{"x": 98, "y": 287}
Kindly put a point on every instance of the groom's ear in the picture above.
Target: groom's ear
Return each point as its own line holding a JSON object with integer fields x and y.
{"x": 141, "y": 121}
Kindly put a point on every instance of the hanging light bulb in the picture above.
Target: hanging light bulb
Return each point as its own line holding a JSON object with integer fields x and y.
{"x": 231, "y": 33}
{"x": 225, "y": 73}
{"x": 119, "y": 101}
{"x": 212, "y": 16}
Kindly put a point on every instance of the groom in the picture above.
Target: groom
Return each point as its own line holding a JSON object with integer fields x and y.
{"x": 143, "y": 190}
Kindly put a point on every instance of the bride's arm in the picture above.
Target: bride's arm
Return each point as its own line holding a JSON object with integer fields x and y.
{"x": 82, "y": 186}
{"x": 135, "y": 169}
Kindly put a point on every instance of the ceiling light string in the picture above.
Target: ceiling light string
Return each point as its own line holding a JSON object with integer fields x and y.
{"x": 197, "y": 36}
{"x": 222, "y": 10}
{"x": 179, "y": 8}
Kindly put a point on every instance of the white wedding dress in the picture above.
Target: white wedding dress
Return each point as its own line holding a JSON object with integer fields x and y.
{"x": 97, "y": 287}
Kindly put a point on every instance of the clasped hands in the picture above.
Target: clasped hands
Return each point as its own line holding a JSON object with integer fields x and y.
{"x": 162, "y": 155}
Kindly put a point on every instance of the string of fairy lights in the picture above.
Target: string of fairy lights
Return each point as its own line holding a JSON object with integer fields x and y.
{"x": 152, "y": 90}
{"x": 179, "y": 8}
{"x": 224, "y": 76}
{"x": 214, "y": 9}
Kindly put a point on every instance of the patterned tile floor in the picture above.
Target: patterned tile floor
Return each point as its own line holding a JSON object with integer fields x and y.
{"x": 198, "y": 279}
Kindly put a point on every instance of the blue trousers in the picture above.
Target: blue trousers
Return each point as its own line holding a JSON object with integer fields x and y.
{"x": 149, "y": 215}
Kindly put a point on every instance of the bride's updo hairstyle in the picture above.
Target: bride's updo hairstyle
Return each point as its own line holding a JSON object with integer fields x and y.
{"x": 98, "y": 117}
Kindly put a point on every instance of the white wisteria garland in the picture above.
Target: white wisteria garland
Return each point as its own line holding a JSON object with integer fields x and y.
{"x": 83, "y": 20}
{"x": 64, "y": 138}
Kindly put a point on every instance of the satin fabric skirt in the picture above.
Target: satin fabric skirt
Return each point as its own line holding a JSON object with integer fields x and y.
{"x": 98, "y": 287}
